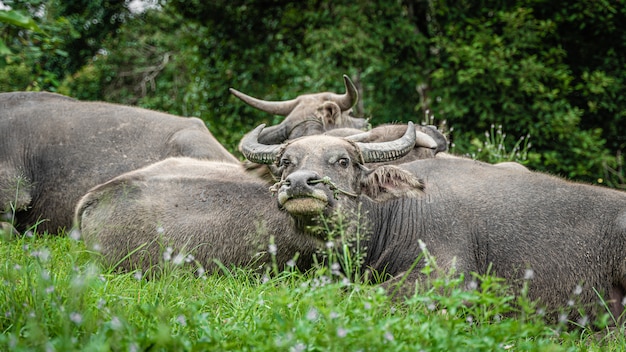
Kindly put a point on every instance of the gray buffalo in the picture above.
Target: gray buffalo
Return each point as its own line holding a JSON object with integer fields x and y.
{"x": 331, "y": 114}
{"x": 308, "y": 114}
{"x": 568, "y": 239}
{"x": 213, "y": 211}
{"x": 54, "y": 148}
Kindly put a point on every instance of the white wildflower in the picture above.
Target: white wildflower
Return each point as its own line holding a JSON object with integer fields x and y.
{"x": 299, "y": 347}
{"x": 200, "y": 272}
{"x": 167, "y": 254}
{"x": 116, "y": 323}
{"x": 76, "y": 318}
{"x": 43, "y": 254}
{"x": 422, "y": 245}
{"x": 313, "y": 314}
{"x": 178, "y": 259}
{"x": 578, "y": 290}
{"x": 75, "y": 234}
{"x": 529, "y": 274}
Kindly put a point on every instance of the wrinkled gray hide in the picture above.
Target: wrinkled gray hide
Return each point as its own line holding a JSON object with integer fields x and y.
{"x": 54, "y": 148}
{"x": 471, "y": 215}
{"x": 215, "y": 211}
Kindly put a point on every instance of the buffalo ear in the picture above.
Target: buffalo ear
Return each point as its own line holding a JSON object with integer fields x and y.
{"x": 389, "y": 182}
{"x": 330, "y": 114}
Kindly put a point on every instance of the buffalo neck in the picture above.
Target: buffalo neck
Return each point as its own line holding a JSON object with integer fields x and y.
{"x": 392, "y": 244}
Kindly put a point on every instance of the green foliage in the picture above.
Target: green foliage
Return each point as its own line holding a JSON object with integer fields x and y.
{"x": 552, "y": 71}
{"x": 17, "y": 19}
{"x": 500, "y": 73}
{"x": 494, "y": 148}
{"x": 62, "y": 36}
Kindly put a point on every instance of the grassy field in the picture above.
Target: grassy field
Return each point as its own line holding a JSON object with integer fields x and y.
{"x": 55, "y": 297}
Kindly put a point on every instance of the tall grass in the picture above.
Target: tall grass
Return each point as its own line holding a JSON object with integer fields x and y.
{"x": 493, "y": 149}
{"x": 54, "y": 297}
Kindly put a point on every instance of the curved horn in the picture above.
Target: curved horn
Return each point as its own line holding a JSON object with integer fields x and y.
{"x": 282, "y": 108}
{"x": 387, "y": 151}
{"x": 257, "y": 152}
{"x": 274, "y": 134}
{"x": 359, "y": 137}
{"x": 424, "y": 140}
{"x": 421, "y": 139}
{"x": 349, "y": 98}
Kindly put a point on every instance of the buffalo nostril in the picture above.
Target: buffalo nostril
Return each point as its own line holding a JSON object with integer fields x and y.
{"x": 300, "y": 181}
{"x": 312, "y": 181}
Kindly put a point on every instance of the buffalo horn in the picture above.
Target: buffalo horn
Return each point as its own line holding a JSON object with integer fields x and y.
{"x": 257, "y": 152}
{"x": 282, "y": 108}
{"x": 421, "y": 139}
{"x": 388, "y": 151}
{"x": 349, "y": 98}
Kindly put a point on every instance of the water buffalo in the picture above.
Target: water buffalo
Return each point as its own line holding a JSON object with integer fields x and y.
{"x": 330, "y": 113}
{"x": 215, "y": 211}
{"x": 54, "y": 148}
{"x": 568, "y": 239}
{"x": 308, "y": 114}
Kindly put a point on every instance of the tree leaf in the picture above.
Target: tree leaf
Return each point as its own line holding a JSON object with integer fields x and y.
{"x": 4, "y": 50}
{"x": 18, "y": 19}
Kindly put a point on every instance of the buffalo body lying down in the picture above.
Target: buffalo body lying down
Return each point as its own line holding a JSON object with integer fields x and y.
{"x": 213, "y": 210}
{"x": 53, "y": 149}
{"x": 470, "y": 216}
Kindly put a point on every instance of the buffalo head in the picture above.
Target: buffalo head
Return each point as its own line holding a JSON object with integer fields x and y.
{"x": 308, "y": 114}
{"x": 319, "y": 173}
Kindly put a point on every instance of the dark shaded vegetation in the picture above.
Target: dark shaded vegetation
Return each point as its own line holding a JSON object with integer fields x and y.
{"x": 554, "y": 71}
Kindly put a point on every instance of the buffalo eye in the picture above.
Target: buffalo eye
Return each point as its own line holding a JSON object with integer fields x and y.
{"x": 284, "y": 162}
{"x": 343, "y": 162}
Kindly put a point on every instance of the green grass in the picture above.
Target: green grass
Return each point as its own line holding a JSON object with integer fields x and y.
{"x": 55, "y": 297}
